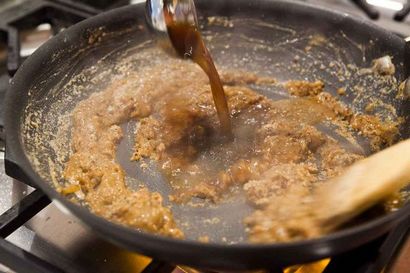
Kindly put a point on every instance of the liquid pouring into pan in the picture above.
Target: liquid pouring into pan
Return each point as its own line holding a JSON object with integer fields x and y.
{"x": 175, "y": 21}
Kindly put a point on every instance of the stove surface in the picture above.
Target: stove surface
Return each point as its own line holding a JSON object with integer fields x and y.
{"x": 61, "y": 239}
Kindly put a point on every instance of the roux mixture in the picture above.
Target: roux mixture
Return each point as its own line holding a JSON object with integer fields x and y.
{"x": 279, "y": 147}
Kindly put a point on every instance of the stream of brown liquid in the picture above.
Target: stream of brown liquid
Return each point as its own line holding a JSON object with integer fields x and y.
{"x": 188, "y": 43}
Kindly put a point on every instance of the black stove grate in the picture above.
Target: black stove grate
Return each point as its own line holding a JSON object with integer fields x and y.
{"x": 402, "y": 14}
{"x": 374, "y": 14}
{"x": 12, "y": 256}
{"x": 368, "y": 9}
{"x": 370, "y": 258}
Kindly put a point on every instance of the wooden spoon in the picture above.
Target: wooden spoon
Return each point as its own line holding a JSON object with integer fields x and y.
{"x": 364, "y": 184}
{"x": 361, "y": 186}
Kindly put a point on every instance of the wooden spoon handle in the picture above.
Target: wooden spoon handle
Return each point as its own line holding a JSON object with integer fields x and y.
{"x": 364, "y": 184}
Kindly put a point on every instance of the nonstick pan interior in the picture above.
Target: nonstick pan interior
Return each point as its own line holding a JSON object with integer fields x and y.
{"x": 264, "y": 42}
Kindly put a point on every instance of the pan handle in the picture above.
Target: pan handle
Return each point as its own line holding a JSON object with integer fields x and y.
{"x": 13, "y": 169}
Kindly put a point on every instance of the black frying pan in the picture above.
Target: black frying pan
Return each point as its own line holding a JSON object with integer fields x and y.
{"x": 270, "y": 34}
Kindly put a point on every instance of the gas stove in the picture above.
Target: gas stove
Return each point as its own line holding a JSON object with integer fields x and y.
{"x": 37, "y": 236}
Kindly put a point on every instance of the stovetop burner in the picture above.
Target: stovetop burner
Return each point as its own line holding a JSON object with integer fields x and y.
{"x": 36, "y": 236}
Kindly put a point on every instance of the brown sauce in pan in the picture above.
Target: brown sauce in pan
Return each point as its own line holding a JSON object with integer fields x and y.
{"x": 275, "y": 144}
{"x": 276, "y": 147}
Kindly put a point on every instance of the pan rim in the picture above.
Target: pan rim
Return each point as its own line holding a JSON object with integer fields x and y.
{"x": 15, "y": 148}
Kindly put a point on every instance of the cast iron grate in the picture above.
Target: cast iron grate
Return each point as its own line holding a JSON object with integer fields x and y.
{"x": 374, "y": 14}
{"x": 402, "y": 14}
{"x": 368, "y": 9}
